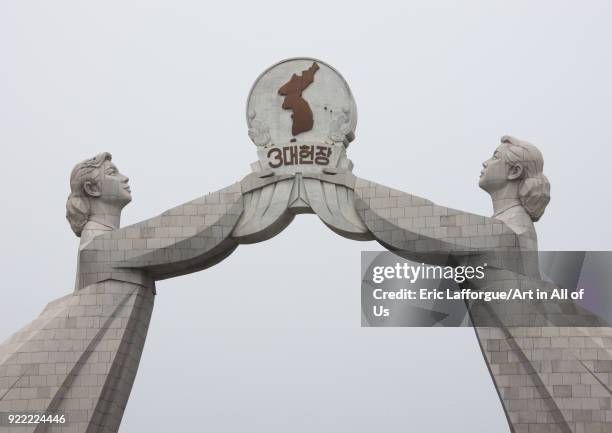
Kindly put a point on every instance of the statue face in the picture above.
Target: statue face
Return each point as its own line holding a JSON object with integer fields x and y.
{"x": 112, "y": 187}
{"x": 495, "y": 173}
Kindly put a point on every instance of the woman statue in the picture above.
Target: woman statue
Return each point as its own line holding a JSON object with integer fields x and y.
{"x": 519, "y": 190}
{"x": 80, "y": 356}
{"x": 98, "y": 194}
{"x": 551, "y": 375}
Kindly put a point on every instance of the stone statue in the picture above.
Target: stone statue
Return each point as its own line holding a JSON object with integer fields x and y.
{"x": 80, "y": 356}
{"x": 519, "y": 190}
{"x": 549, "y": 362}
{"x": 98, "y": 193}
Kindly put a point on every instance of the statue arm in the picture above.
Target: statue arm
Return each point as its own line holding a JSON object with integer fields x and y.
{"x": 402, "y": 221}
{"x": 184, "y": 239}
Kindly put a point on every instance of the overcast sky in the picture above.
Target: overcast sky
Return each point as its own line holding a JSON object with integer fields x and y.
{"x": 270, "y": 339}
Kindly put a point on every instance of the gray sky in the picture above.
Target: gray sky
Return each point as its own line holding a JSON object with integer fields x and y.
{"x": 270, "y": 339}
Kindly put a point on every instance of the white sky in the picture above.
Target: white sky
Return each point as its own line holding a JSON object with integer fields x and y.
{"x": 269, "y": 340}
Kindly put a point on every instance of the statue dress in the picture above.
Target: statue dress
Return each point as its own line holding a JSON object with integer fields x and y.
{"x": 80, "y": 356}
{"x": 551, "y": 363}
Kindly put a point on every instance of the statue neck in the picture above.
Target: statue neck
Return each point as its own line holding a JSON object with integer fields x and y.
{"x": 105, "y": 214}
{"x": 502, "y": 205}
{"x": 110, "y": 221}
{"x": 505, "y": 198}
{"x": 104, "y": 217}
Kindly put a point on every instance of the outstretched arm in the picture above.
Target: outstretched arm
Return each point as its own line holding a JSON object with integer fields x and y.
{"x": 402, "y": 221}
{"x": 184, "y": 239}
